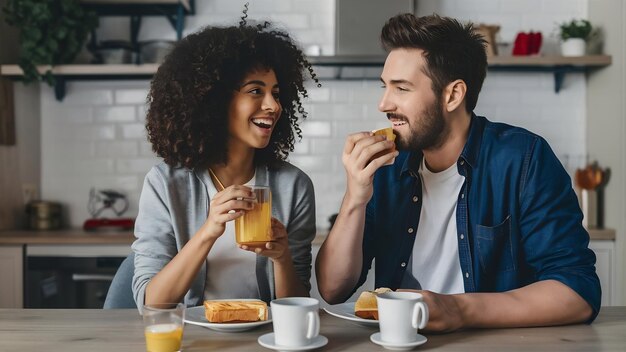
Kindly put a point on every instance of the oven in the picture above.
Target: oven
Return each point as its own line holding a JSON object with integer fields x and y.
{"x": 68, "y": 280}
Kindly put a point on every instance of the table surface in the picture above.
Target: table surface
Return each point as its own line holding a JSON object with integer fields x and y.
{"x": 92, "y": 330}
{"x": 78, "y": 236}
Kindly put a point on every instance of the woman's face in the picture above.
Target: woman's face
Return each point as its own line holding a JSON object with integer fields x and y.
{"x": 254, "y": 109}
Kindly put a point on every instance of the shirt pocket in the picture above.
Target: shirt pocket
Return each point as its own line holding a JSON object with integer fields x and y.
{"x": 495, "y": 250}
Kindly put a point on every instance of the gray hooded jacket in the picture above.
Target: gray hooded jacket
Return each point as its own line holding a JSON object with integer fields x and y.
{"x": 174, "y": 204}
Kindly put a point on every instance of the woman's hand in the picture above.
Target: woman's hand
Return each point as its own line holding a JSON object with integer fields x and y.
{"x": 278, "y": 248}
{"x": 227, "y": 205}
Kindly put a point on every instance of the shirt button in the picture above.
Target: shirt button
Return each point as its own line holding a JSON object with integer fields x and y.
{"x": 462, "y": 237}
{"x": 462, "y": 195}
{"x": 403, "y": 264}
{"x": 467, "y": 275}
{"x": 462, "y": 162}
{"x": 410, "y": 230}
{"x": 415, "y": 199}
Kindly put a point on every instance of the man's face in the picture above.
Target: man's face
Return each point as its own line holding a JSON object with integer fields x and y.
{"x": 410, "y": 103}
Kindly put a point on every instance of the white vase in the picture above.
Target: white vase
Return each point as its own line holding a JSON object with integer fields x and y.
{"x": 573, "y": 47}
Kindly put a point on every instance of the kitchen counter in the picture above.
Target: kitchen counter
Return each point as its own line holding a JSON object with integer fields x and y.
{"x": 78, "y": 236}
{"x": 74, "y": 236}
{"x": 122, "y": 330}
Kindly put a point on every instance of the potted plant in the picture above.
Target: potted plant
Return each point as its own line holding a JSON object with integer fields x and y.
{"x": 574, "y": 35}
{"x": 52, "y": 32}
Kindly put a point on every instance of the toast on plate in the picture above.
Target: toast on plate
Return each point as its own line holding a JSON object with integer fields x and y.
{"x": 235, "y": 311}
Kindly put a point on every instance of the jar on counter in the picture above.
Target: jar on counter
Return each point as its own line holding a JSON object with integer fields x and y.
{"x": 43, "y": 215}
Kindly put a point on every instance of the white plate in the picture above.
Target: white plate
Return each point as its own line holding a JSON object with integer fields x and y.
{"x": 267, "y": 341}
{"x": 419, "y": 340}
{"x": 196, "y": 316}
{"x": 346, "y": 311}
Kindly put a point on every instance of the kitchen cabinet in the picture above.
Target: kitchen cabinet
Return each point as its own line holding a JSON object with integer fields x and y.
{"x": 11, "y": 276}
{"x": 606, "y": 269}
{"x": 16, "y": 246}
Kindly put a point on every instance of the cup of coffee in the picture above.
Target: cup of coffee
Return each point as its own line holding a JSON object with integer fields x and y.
{"x": 390, "y": 136}
{"x": 163, "y": 326}
{"x": 296, "y": 321}
{"x": 254, "y": 228}
{"x": 400, "y": 314}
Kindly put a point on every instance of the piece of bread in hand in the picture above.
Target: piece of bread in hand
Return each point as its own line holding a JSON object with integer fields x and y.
{"x": 366, "y": 306}
{"x": 235, "y": 311}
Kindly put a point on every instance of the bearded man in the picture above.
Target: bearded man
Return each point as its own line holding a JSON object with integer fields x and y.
{"x": 480, "y": 217}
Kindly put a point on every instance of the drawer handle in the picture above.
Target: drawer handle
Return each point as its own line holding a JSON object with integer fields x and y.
{"x": 91, "y": 277}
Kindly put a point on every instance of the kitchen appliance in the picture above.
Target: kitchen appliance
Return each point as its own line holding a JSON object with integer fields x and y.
{"x": 112, "y": 201}
{"x": 155, "y": 51}
{"x": 113, "y": 52}
{"x": 68, "y": 282}
{"x": 590, "y": 183}
{"x": 43, "y": 215}
{"x": 358, "y": 24}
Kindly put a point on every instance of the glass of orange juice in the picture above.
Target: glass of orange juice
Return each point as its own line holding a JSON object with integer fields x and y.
{"x": 253, "y": 228}
{"x": 163, "y": 326}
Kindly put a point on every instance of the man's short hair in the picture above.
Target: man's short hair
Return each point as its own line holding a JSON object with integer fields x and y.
{"x": 452, "y": 50}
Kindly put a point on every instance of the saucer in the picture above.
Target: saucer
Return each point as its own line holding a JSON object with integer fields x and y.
{"x": 267, "y": 341}
{"x": 419, "y": 339}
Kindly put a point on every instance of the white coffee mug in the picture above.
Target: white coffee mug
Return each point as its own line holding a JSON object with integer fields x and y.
{"x": 296, "y": 321}
{"x": 400, "y": 314}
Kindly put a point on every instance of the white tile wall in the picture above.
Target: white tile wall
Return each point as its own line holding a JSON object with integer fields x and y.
{"x": 96, "y": 137}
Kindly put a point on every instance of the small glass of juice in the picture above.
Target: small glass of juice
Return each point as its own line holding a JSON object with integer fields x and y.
{"x": 163, "y": 326}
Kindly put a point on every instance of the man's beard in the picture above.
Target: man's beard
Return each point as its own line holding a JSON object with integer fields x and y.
{"x": 426, "y": 134}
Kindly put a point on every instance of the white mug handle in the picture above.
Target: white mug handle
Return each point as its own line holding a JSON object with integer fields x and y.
{"x": 313, "y": 323}
{"x": 420, "y": 306}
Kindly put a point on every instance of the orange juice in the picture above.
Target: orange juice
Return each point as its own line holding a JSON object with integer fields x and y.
{"x": 163, "y": 337}
{"x": 253, "y": 229}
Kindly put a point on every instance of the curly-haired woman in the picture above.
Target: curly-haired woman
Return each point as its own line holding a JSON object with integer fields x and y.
{"x": 224, "y": 108}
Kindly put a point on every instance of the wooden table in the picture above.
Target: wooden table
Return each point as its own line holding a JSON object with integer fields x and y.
{"x": 122, "y": 330}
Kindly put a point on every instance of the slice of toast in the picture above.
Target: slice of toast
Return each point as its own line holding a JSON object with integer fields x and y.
{"x": 366, "y": 306}
{"x": 235, "y": 311}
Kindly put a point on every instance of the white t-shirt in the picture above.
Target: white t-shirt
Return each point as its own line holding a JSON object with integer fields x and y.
{"x": 231, "y": 272}
{"x": 435, "y": 261}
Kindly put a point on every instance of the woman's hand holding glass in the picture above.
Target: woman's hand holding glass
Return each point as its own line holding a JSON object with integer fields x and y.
{"x": 278, "y": 248}
{"x": 227, "y": 205}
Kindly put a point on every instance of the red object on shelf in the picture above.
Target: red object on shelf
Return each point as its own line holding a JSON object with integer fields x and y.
{"x": 521, "y": 47}
{"x": 535, "y": 42}
{"x": 108, "y": 224}
{"x": 527, "y": 43}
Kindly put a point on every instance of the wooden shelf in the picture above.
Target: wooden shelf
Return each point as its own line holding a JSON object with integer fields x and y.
{"x": 557, "y": 65}
{"x": 186, "y": 4}
{"x": 338, "y": 61}
{"x": 65, "y": 236}
{"x": 588, "y": 60}
{"x": 87, "y": 70}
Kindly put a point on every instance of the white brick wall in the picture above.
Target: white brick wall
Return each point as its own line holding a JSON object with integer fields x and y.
{"x": 96, "y": 137}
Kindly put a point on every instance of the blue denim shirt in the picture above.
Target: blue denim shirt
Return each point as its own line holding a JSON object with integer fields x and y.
{"x": 518, "y": 219}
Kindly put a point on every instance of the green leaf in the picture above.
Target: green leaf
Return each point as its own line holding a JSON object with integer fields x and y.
{"x": 576, "y": 28}
{"x": 61, "y": 33}
{"x": 51, "y": 32}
